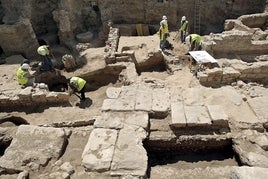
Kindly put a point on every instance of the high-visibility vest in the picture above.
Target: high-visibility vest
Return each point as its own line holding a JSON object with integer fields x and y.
{"x": 196, "y": 38}
{"x": 78, "y": 83}
{"x": 22, "y": 76}
{"x": 184, "y": 25}
{"x": 162, "y": 31}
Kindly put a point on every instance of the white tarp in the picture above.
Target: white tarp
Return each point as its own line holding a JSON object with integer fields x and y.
{"x": 202, "y": 57}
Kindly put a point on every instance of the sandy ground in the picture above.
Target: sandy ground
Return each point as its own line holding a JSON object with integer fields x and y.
{"x": 92, "y": 106}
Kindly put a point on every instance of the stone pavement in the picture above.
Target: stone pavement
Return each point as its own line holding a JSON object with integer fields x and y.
{"x": 186, "y": 105}
{"x": 116, "y": 143}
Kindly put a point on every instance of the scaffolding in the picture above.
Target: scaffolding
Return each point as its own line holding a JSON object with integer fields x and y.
{"x": 197, "y": 17}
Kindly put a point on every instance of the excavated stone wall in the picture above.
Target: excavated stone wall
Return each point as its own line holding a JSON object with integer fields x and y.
{"x": 248, "y": 72}
{"x": 18, "y": 38}
{"x": 59, "y": 21}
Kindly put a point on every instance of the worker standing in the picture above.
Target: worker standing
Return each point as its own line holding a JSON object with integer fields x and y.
{"x": 46, "y": 63}
{"x": 195, "y": 41}
{"x": 77, "y": 84}
{"x": 163, "y": 33}
{"x": 23, "y": 75}
{"x": 183, "y": 29}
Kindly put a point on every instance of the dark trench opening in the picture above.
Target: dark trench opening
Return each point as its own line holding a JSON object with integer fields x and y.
{"x": 4, "y": 144}
{"x": 190, "y": 154}
{"x": 15, "y": 120}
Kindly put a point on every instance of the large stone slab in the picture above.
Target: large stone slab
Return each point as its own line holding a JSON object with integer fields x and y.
{"x": 161, "y": 100}
{"x": 130, "y": 157}
{"x": 118, "y": 105}
{"x": 124, "y": 102}
{"x": 117, "y": 120}
{"x": 99, "y": 150}
{"x": 260, "y": 106}
{"x": 113, "y": 92}
{"x": 33, "y": 147}
{"x": 218, "y": 115}
{"x": 178, "y": 118}
{"x": 176, "y": 94}
{"x": 249, "y": 172}
{"x": 231, "y": 95}
{"x": 144, "y": 99}
{"x": 250, "y": 154}
{"x": 197, "y": 116}
{"x": 193, "y": 96}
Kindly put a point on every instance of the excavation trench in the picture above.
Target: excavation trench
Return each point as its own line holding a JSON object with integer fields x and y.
{"x": 190, "y": 152}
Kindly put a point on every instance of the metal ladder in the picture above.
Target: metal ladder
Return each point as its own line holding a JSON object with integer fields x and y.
{"x": 197, "y": 17}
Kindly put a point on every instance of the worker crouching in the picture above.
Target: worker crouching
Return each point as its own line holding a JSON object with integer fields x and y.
{"x": 77, "y": 84}
{"x": 46, "y": 63}
{"x": 23, "y": 75}
{"x": 195, "y": 42}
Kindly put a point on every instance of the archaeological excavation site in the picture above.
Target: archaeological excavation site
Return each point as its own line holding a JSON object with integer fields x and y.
{"x": 147, "y": 111}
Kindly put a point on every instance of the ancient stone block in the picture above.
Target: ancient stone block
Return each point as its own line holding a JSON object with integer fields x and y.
{"x": 34, "y": 147}
{"x": 113, "y": 92}
{"x": 259, "y": 105}
{"x": 130, "y": 157}
{"x": 144, "y": 99}
{"x": 178, "y": 118}
{"x": 197, "y": 116}
{"x": 99, "y": 150}
{"x": 217, "y": 115}
{"x": 249, "y": 172}
{"x": 161, "y": 100}
{"x": 193, "y": 96}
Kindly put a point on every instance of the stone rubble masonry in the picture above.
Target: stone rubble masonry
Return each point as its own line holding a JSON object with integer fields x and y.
{"x": 18, "y": 38}
{"x": 33, "y": 147}
{"x": 243, "y": 36}
{"x": 30, "y": 96}
{"x": 111, "y": 45}
{"x": 256, "y": 72}
{"x": 110, "y": 147}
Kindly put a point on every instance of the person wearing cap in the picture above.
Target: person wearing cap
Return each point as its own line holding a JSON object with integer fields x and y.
{"x": 47, "y": 63}
{"x": 163, "y": 33}
{"x": 77, "y": 84}
{"x": 183, "y": 29}
{"x": 195, "y": 41}
{"x": 23, "y": 75}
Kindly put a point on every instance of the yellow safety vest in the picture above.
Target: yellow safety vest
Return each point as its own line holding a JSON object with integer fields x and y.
{"x": 196, "y": 38}
{"x": 78, "y": 83}
{"x": 162, "y": 32}
{"x": 22, "y": 76}
{"x": 184, "y": 25}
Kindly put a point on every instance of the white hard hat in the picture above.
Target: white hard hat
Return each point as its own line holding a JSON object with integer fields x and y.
{"x": 187, "y": 39}
{"x": 164, "y": 17}
{"x": 42, "y": 50}
{"x": 25, "y": 66}
{"x": 183, "y": 18}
